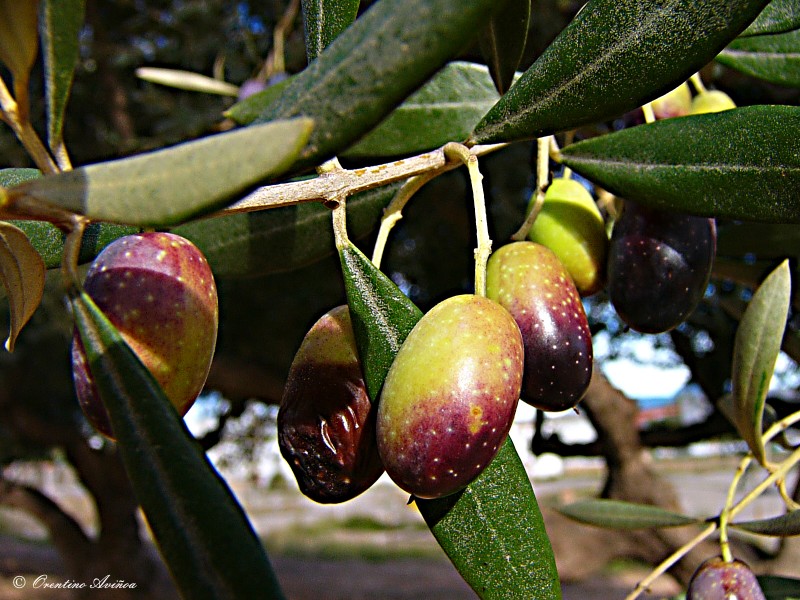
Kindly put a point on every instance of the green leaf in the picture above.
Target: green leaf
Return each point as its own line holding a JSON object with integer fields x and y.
{"x": 785, "y": 525}
{"x": 779, "y": 16}
{"x": 773, "y": 58}
{"x": 22, "y": 273}
{"x": 617, "y": 514}
{"x": 444, "y": 110}
{"x": 756, "y": 348}
{"x": 502, "y": 41}
{"x": 169, "y": 186}
{"x": 280, "y": 239}
{"x": 613, "y": 58}
{"x": 492, "y": 531}
{"x": 382, "y": 315}
{"x": 61, "y": 21}
{"x": 779, "y": 588}
{"x": 323, "y": 20}
{"x": 248, "y": 110}
{"x": 742, "y": 163}
{"x": 390, "y": 51}
{"x": 19, "y": 43}
{"x": 202, "y": 532}
{"x": 187, "y": 80}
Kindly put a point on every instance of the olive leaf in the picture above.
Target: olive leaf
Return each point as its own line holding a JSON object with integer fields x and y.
{"x": 169, "y": 186}
{"x": 22, "y": 271}
{"x": 492, "y": 531}
{"x": 778, "y": 16}
{"x": 611, "y": 59}
{"x": 19, "y": 43}
{"x": 323, "y": 20}
{"x": 774, "y": 58}
{"x": 61, "y": 21}
{"x": 200, "y": 528}
{"x": 782, "y": 526}
{"x": 756, "y": 348}
{"x": 373, "y": 65}
{"x": 503, "y": 39}
{"x": 742, "y": 163}
{"x": 617, "y": 514}
{"x": 187, "y": 80}
{"x": 446, "y": 108}
{"x": 248, "y": 110}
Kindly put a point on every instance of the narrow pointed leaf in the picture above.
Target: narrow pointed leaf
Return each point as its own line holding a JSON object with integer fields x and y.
{"x": 779, "y": 16}
{"x": 773, "y": 58}
{"x": 323, "y": 20}
{"x": 19, "y": 43}
{"x": 502, "y": 41}
{"x": 617, "y": 514}
{"x": 22, "y": 272}
{"x": 756, "y": 348}
{"x": 187, "y": 80}
{"x": 201, "y": 530}
{"x": 170, "y": 186}
{"x": 742, "y": 163}
{"x": 382, "y": 315}
{"x": 492, "y": 531}
{"x": 444, "y": 110}
{"x": 280, "y": 239}
{"x": 61, "y": 21}
{"x": 248, "y": 110}
{"x": 782, "y": 526}
{"x": 368, "y": 70}
{"x": 611, "y": 59}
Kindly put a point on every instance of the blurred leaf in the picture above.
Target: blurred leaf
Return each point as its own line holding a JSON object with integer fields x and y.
{"x": 280, "y": 239}
{"x": 756, "y": 348}
{"x": 782, "y": 526}
{"x": 503, "y": 40}
{"x": 613, "y": 58}
{"x": 169, "y": 186}
{"x": 492, "y": 531}
{"x": 761, "y": 240}
{"x": 742, "y": 163}
{"x": 187, "y": 80}
{"x": 248, "y": 110}
{"x": 617, "y": 514}
{"x": 202, "y": 532}
{"x": 444, "y": 110}
{"x": 778, "y": 16}
{"x": 22, "y": 271}
{"x": 61, "y": 24}
{"x": 773, "y": 58}
{"x": 382, "y": 315}
{"x": 779, "y": 588}
{"x": 323, "y": 20}
{"x": 19, "y": 43}
{"x": 386, "y": 54}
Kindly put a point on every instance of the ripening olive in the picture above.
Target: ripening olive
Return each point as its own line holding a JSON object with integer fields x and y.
{"x": 716, "y": 579}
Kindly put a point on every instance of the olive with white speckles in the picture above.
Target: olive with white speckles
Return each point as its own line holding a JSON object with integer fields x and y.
{"x": 326, "y": 422}
{"x": 531, "y": 283}
{"x": 659, "y": 265}
{"x": 159, "y": 292}
{"x": 450, "y": 396}
{"x": 716, "y": 579}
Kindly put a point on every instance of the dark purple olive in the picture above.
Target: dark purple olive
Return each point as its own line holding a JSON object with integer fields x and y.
{"x": 659, "y": 264}
{"x": 326, "y": 423}
{"x": 716, "y": 579}
{"x": 529, "y": 281}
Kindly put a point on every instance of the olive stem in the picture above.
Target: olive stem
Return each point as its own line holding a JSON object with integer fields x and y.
{"x": 544, "y": 147}
{"x": 649, "y": 115}
{"x": 339, "y": 216}
{"x": 698, "y": 84}
{"x": 394, "y": 212}
{"x": 484, "y": 248}
{"x": 26, "y": 134}
{"x": 724, "y": 516}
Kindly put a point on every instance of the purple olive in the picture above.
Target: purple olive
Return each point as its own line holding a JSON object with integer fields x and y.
{"x": 716, "y": 579}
